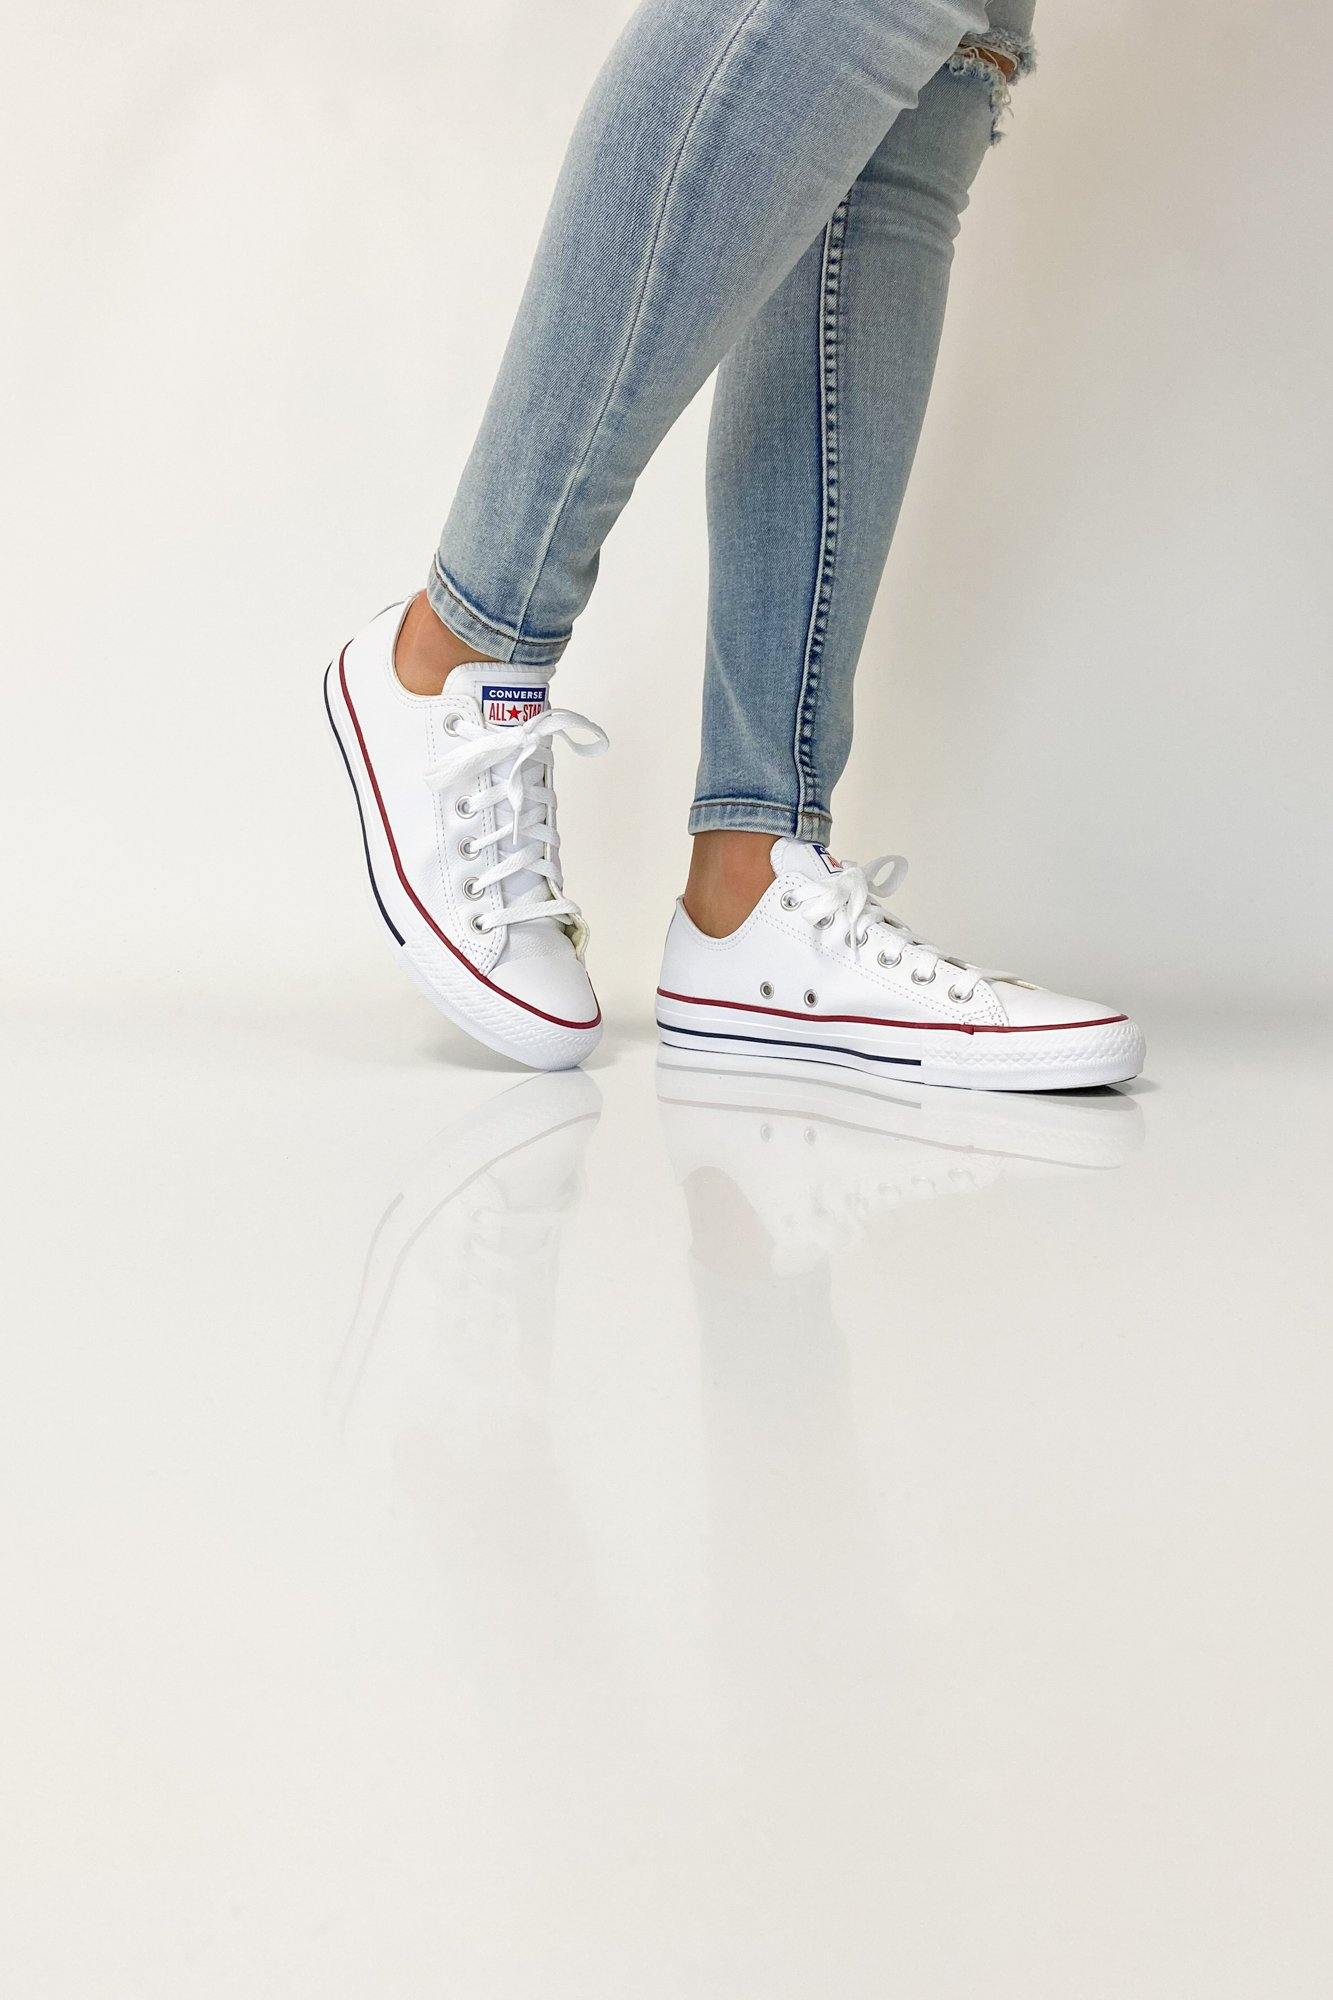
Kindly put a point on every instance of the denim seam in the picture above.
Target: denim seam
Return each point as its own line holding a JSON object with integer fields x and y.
{"x": 724, "y": 57}
{"x": 738, "y": 799}
{"x": 518, "y": 637}
{"x": 830, "y": 294}
{"x": 773, "y": 817}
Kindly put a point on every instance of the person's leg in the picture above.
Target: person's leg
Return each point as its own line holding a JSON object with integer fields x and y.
{"x": 816, "y": 421}
{"x": 717, "y": 141}
{"x": 816, "y": 418}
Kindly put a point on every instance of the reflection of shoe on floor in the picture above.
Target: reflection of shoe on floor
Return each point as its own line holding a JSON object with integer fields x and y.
{"x": 814, "y": 1154}
{"x": 459, "y": 1270}
{"x": 441, "y": 1400}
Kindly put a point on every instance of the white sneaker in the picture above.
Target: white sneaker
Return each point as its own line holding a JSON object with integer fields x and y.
{"x": 458, "y": 824}
{"x": 819, "y": 970}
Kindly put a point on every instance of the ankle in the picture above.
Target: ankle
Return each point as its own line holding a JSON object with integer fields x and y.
{"x": 729, "y": 872}
{"x": 427, "y": 651}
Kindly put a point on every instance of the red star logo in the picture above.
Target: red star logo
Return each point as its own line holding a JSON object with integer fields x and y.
{"x": 513, "y": 715}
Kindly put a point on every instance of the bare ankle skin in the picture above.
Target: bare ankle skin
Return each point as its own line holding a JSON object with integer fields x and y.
{"x": 427, "y": 651}
{"x": 729, "y": 872}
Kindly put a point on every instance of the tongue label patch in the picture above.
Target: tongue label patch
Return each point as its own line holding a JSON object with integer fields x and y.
{"x": 511, "y": 705}
{"x": 830, "y": 861}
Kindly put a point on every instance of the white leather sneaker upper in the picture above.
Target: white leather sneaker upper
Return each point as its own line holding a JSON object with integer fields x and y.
{"x": 461, "y": 797}
{"x": 822, "y": 939}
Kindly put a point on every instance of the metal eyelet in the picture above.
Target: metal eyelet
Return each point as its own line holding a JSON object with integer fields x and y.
{"x": 862, "y": 937}
{"x": 961, "y": 998}
{"x": 467, "y": 848}
{"x": 464, "y": 808}
{"x": 473, "y": 888}
{"x": 453, "y": 722}
{"x": 811, "y": 997}
{"x": 822, "y": 923}
{"x": 884, "y": 959}
{"x": 788, "y": 901}
{"x": 920, "y": 978}
{"x": 479, "y": 926}
{"x": 765, "y": 987}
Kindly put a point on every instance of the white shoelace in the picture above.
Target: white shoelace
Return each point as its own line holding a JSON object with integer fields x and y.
{"x": 528, "y": 839}
{"x": 855, "y": 898}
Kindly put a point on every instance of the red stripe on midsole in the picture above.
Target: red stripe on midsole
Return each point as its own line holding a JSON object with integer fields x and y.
{"x": 876, "y": 1021}
{"x": 555, "y": 1019}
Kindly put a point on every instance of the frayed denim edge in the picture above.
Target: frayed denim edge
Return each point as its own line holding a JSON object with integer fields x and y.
{"x": 973, "y": 58}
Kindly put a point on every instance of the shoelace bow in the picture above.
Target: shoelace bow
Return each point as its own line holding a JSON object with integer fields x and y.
{"x": 533, "y": 843}
{"x": 857, "y": 895}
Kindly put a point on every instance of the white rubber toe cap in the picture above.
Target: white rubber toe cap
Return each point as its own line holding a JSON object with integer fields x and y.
{"x": 557, "y": 1008}
{"x": 556, "y": 985}
{"x": 1034, "y": 1007}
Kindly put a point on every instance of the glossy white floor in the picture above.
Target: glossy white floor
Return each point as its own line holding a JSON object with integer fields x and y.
{"x": 660, "y": 1533}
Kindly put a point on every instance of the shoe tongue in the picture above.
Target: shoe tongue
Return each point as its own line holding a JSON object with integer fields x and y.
{"x": 509, "y": 696}
{"x": 804, "y": 857}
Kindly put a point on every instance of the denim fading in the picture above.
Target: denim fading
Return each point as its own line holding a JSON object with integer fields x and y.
{"x": 772, "y": 186}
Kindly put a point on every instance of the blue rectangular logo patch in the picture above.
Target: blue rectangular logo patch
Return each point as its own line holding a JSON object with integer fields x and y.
{"x": 511, "y": 705}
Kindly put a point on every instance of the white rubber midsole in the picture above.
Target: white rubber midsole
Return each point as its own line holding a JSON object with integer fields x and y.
{"x": 1073, "y": 1058}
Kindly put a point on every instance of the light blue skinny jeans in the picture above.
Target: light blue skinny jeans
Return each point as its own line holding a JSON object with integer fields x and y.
{"x": 772, "y": 186}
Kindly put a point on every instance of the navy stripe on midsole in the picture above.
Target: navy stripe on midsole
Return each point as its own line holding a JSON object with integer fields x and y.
{"x": 365, "y": 838}
{"x": 767, "y": 1042}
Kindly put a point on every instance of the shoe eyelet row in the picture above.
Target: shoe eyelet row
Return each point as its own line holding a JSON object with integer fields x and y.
{"x": 811, "y": 997}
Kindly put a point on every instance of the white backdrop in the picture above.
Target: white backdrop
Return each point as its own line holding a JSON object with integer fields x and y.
{"x": 261, "y": 262}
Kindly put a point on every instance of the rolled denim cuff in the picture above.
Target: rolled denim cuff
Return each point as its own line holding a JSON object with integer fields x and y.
{"x": 467, "y": 621}
{"x": 758, "y": 816}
